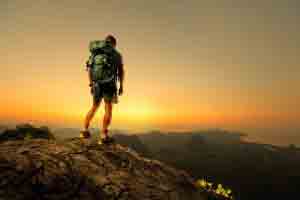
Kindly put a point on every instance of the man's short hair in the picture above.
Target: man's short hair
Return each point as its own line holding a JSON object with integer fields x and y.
{"x": 112, "y": 39}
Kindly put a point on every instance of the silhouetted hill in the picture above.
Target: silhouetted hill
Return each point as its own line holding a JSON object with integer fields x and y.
{"x": 81, "y": 169}
{"x": 157, "y": 140}
{"x": 252, "y": 171}
{"x": 26, "y": 131}
{"x": 133, "y": 142}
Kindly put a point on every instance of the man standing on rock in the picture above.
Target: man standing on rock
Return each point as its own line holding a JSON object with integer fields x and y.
{"x": 105, "y": 69}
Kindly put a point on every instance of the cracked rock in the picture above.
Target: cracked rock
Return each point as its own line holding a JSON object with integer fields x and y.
{"x": 80, "y": 169}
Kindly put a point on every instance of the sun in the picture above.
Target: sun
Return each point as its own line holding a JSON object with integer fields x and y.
{"x": 138, "y": 111}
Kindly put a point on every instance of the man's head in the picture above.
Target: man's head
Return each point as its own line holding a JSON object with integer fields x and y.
{"x": 112, "y": 40}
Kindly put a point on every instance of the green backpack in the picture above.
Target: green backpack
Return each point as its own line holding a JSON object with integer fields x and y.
{"x": 102, "y": 61}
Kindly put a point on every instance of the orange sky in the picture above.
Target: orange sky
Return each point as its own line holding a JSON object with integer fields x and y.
{"x": 188, "y": 66}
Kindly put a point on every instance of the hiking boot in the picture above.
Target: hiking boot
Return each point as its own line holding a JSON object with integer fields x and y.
{"x": 85, "y": 134}
{"x": 106, "y": 140}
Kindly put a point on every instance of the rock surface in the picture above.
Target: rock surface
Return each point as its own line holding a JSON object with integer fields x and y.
{"x": 81, "y": 169}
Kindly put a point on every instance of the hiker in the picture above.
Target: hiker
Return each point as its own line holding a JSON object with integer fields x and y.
{"x": 105, "y": 70}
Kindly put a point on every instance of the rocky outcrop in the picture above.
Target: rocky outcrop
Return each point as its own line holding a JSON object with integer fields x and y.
{"x": 81, "y": 169}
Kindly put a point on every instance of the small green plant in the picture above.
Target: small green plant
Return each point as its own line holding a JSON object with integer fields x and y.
{"x": 28, "y": 136}
{"x": 219, "y": 190}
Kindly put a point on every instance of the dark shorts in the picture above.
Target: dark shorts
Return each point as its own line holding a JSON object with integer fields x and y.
{"x": 107, "y": 91}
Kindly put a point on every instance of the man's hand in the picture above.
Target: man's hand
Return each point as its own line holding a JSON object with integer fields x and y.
{"x": 120, "y": 92}
{"x": 91, "y": 85}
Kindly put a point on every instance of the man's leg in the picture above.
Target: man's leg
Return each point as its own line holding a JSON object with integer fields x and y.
{"x": 91, "y": 114}
{"x": 107, "y": 117}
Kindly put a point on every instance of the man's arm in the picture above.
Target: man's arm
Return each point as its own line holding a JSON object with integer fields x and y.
{"x": 121, "y": 73}
{"x": 89, "y": 69}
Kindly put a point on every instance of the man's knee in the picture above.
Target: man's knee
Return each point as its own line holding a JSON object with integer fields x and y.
{"x": 95, "y": 106}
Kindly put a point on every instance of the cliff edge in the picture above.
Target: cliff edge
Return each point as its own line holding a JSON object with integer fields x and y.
{"x": 81, "y": 169}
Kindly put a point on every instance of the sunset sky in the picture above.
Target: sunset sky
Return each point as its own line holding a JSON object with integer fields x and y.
{"x": 229, "y": 64}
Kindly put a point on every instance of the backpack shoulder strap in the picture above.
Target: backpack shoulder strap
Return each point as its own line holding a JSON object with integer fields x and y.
{"x": 90, "y": 61}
